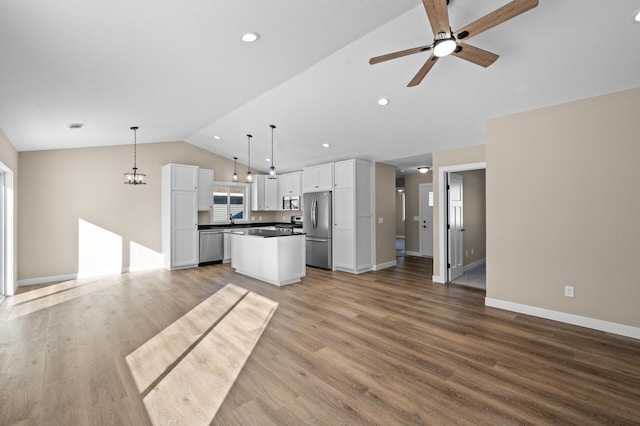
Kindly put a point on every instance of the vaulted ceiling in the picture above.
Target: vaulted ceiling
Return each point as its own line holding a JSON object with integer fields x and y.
{"x": 180, "y": 71}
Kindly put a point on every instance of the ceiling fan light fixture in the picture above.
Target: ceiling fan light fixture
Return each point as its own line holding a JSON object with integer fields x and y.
{"x": 444, "y": 47}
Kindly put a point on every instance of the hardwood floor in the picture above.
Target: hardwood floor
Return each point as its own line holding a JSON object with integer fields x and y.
{"x": 387, "y": 347}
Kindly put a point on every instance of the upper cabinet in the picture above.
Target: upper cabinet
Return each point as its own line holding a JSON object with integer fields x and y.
{"x": 317, "y": 178}
{"x": 290, "y": 184}
{"x": 205, "y": 189}
{"x": 264, "y": 193}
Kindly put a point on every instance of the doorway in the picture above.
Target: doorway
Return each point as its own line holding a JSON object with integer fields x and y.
{"x": 441, "y": 215}
{"x": 466, "y": 242}
{"x": 426, "y": 219}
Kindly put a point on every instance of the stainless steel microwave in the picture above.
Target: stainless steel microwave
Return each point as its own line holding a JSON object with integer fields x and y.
{"x": 291, "y": 202}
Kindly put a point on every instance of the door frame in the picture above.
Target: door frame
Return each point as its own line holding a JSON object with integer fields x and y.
{"x": 440, "y": 247}
{"x": 420, "y": 204}
{"x": 7, "y": 224}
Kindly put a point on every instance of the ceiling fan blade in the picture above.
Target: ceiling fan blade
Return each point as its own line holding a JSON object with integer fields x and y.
{"x": 399, "y": 54}
{"x": 438, "y": 16}
{"x": 423, "y": 71}
{"x": 475, "y": 54}
{"x": 498, "y": 16}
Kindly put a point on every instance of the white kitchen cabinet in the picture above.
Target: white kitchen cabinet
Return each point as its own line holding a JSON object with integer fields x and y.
{"x": 264, "y": 193}
{"x": 317, "y": 178}
{"x": 353, "y": 216}
{"x": 205, "y": 189}
{"x": 290, "y": 184}
{"x": 179, "y": 216}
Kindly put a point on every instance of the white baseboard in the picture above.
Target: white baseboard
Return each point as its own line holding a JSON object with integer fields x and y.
{"x": 68, "y": 277}
{"x": 439, "y": 279}
{"x": 596, "y": 324}
{"x": 474, "y": 264}
{"x": 385, "y": 265}
{"x": 412, "y": 253}
{"x": 46, "y": 280}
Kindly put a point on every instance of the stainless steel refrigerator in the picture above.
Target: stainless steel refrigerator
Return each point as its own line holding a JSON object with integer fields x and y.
{"x": 317, "y": 224}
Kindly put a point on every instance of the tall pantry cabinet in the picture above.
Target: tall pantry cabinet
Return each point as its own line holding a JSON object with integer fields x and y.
{"x": 180, "y": 216}
{"x": 353, "y": 216}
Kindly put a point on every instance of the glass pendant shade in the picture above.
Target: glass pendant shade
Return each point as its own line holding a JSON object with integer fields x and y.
{"x": 249, "y": 177}
{"x": 272, "y": 169}
{"x": 133, "y": 177}
{"x": 234, "y": 178}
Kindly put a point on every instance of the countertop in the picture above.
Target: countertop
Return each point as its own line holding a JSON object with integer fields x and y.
{"x": 264, "y": 233}
{"x": 244, "y": 225}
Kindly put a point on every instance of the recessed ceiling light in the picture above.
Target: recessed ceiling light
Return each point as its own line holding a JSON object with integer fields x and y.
{"x": 325, "y": 145}
{"x": 75, "y": 125}
{"x": 401, "y": 170}
{"x": 268, "y": 159}
{"x": 216, "y": 137}
{"x": 250, "y": 37}
{"x": 383, "y": 101}
{"x": 637, "y": 18}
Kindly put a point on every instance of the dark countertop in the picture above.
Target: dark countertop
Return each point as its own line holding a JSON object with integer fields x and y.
{"x": 243, "y": 225}
{"x": 264, "y": 233}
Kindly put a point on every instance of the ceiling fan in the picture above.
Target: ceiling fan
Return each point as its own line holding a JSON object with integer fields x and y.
{"x": 446, "y": 42}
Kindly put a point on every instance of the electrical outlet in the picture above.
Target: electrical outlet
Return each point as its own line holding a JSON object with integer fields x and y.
{"x": 283, "y": 217}
{"x": 466, "y": 253}
{"x": 259, "y": 217}
{"x": 253, "y": 218}
{"x": 472, "y": 251}
{"x": 380, "y": 220}
{"x": 568, "y": 291}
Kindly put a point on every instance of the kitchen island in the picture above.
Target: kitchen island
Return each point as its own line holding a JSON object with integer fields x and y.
{"x": 277, "y": 257}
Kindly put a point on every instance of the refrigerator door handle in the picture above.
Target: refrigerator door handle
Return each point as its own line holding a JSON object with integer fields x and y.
{"x": 318, "y": 240}
{"x": 316, "y": 216}
{"x": 313, "y": 211}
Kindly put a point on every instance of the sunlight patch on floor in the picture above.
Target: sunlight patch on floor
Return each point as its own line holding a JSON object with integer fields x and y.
{"x": 190, "y": 366}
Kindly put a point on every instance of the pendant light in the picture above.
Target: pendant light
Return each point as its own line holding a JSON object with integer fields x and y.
{"x": 235, "y": 174}
{"x": 272, "y": 169}
{"x": 249, "y": 178}
{"x": 133, "y": 177}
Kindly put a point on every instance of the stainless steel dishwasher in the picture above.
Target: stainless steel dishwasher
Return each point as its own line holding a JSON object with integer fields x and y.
{"x": 211, "y": 246}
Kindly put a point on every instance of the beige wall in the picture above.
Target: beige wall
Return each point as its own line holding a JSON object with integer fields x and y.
{"x": 412, "y": 193}
{"x": 562, "y": 207}
{"x": 9, "y": 158}
{"x": 384, "y": 207}
{"x": 58, "y": 188}
{"x": 474, "y": 215}
{"x": 468, "y": 155}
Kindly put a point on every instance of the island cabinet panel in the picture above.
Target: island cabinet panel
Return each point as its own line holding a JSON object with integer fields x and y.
{"x": 278, "y": 260}
{"x": 317, "y": 178}
{"x": 179, "y": 201}
{"x": 353, "y": 216}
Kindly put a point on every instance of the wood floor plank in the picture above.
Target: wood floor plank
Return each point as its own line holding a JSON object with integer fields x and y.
{"x": 152, "y": 359}
{"x": 194, "y": 390}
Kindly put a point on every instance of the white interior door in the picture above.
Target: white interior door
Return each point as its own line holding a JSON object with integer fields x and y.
{"x": 455, "y": 227}
{"x": 426, "y": 219}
